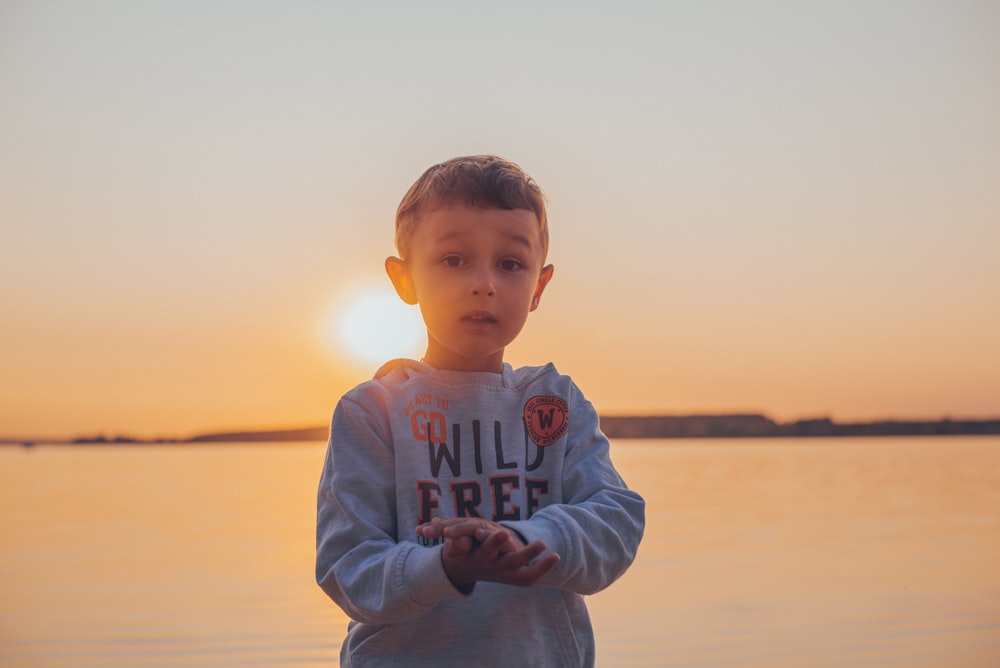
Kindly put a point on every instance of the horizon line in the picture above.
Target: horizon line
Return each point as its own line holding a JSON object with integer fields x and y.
{"x": 202, "y": 436}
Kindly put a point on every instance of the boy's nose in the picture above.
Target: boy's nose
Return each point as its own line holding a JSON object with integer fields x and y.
{"x": 484, "y": 284}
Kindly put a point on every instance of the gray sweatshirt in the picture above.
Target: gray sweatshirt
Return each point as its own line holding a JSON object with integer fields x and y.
{"x": 522, "y": 448}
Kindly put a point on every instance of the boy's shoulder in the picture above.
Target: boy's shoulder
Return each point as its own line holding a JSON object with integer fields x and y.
{"x": 404, "y": 367}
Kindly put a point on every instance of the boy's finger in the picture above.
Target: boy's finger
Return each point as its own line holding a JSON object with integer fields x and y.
{"x": 450, "y": 527}
{"x": 494, "y": 541}
{"x": 431, "y": 529}
{"x": 529, "y": 575}
{"x": 528, "y": 553}
{"x": 522, "y": 559}
{"x": 543, "y": 566}
{"x": 463, "y": 527}
{"x": 457, "y": 547}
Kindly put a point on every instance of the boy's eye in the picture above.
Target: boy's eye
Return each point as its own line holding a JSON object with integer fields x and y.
{"x": 452, "y": 261}
{"x": 509, "y": 264}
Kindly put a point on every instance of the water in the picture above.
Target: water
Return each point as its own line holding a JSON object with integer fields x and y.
{"x": 776, "y": 553}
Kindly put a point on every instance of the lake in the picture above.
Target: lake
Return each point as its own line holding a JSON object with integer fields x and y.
{"x": 798, "y": 552}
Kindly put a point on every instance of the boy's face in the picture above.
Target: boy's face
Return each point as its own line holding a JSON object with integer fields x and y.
{"x": 476, "y": 274}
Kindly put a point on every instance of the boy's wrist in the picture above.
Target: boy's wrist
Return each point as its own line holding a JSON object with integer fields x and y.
{"x": 465, "y": 589}
{"x": 456, "y": 582}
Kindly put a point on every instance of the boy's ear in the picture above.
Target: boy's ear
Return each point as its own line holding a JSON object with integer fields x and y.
{"x": 399, "y": 274}
{"x": 543, "y": 280}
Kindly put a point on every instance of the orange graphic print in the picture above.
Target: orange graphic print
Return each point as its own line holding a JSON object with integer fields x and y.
{"x": 546, "y": 418}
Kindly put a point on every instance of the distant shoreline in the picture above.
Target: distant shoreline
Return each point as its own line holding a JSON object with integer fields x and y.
{"x": 619, "y": 427}
{"x": 760, "y": 426}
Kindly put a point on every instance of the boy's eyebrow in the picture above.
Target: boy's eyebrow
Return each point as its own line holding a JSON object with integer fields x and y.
{"x": 519, "y": 239}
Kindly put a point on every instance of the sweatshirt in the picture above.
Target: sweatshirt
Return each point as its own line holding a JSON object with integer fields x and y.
{"x": 522, "y": 448}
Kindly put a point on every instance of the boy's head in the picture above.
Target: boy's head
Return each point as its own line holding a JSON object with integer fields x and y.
{"x": 472, "y": 240}
{"x": 482, "y": 181}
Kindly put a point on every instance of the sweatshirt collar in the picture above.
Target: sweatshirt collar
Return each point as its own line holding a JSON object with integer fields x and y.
{"x": 488, "y": 379}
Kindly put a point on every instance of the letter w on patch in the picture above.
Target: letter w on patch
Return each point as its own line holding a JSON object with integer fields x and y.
{"x": 546, "y": 418}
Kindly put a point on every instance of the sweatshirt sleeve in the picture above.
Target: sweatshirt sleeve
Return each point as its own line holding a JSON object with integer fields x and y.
{"x": 597, "y": 528}
{"x": 360, "y": 563}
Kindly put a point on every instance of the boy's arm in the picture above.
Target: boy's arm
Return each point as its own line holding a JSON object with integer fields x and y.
{"x": 360, "y": 563}
{"x": 597, "y": 528}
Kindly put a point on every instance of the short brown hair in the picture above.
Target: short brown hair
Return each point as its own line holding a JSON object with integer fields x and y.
{"x": 479, "y": 180}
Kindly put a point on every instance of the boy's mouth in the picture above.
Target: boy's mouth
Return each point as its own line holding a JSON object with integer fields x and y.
{"x": 480, "y": 317}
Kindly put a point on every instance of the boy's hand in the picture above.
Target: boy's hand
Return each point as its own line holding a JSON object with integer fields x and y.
{"x": 478, "y": 550}
{"x": 467, "y": 532}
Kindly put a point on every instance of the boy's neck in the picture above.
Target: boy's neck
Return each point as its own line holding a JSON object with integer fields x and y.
{"x": 453, "y": 362}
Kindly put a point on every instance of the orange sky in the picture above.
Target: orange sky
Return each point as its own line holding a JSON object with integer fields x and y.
{"x": 792, "y": 211}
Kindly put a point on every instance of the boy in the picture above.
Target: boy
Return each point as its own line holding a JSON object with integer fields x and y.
{"x": 466, "y": 507}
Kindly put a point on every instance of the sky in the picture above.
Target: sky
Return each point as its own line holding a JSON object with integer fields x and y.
{"x": 790, "y": 208}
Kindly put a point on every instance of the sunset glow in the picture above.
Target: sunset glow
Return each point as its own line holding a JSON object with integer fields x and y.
{"x": 787, "y": 209}
{"x": 371, "y": 325}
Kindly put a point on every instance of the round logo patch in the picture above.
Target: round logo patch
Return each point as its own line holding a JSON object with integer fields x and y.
{"x": 547, "y": 418}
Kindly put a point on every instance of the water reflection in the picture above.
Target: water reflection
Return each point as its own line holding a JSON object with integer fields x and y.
{"x": 861, "y": 552}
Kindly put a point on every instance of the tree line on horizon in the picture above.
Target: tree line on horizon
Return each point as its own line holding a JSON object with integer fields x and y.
{"x": 649, "y": 427}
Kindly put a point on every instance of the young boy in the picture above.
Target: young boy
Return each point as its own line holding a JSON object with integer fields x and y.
{"x": 465, "y": 507}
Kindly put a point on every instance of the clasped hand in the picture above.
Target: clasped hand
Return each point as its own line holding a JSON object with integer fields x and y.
{"x": 478, "y": 550}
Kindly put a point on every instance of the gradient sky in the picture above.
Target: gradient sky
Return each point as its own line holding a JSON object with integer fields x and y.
{"x": 781, "y": 207}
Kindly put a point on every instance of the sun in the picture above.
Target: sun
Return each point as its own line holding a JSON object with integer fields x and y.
{"x": 371, "y": 325}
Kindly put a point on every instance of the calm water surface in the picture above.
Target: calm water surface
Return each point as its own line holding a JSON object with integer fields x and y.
{"x": 776, "y": 553}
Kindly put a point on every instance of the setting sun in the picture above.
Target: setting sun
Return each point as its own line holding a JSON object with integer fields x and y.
{"x": 371, "y": 325}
